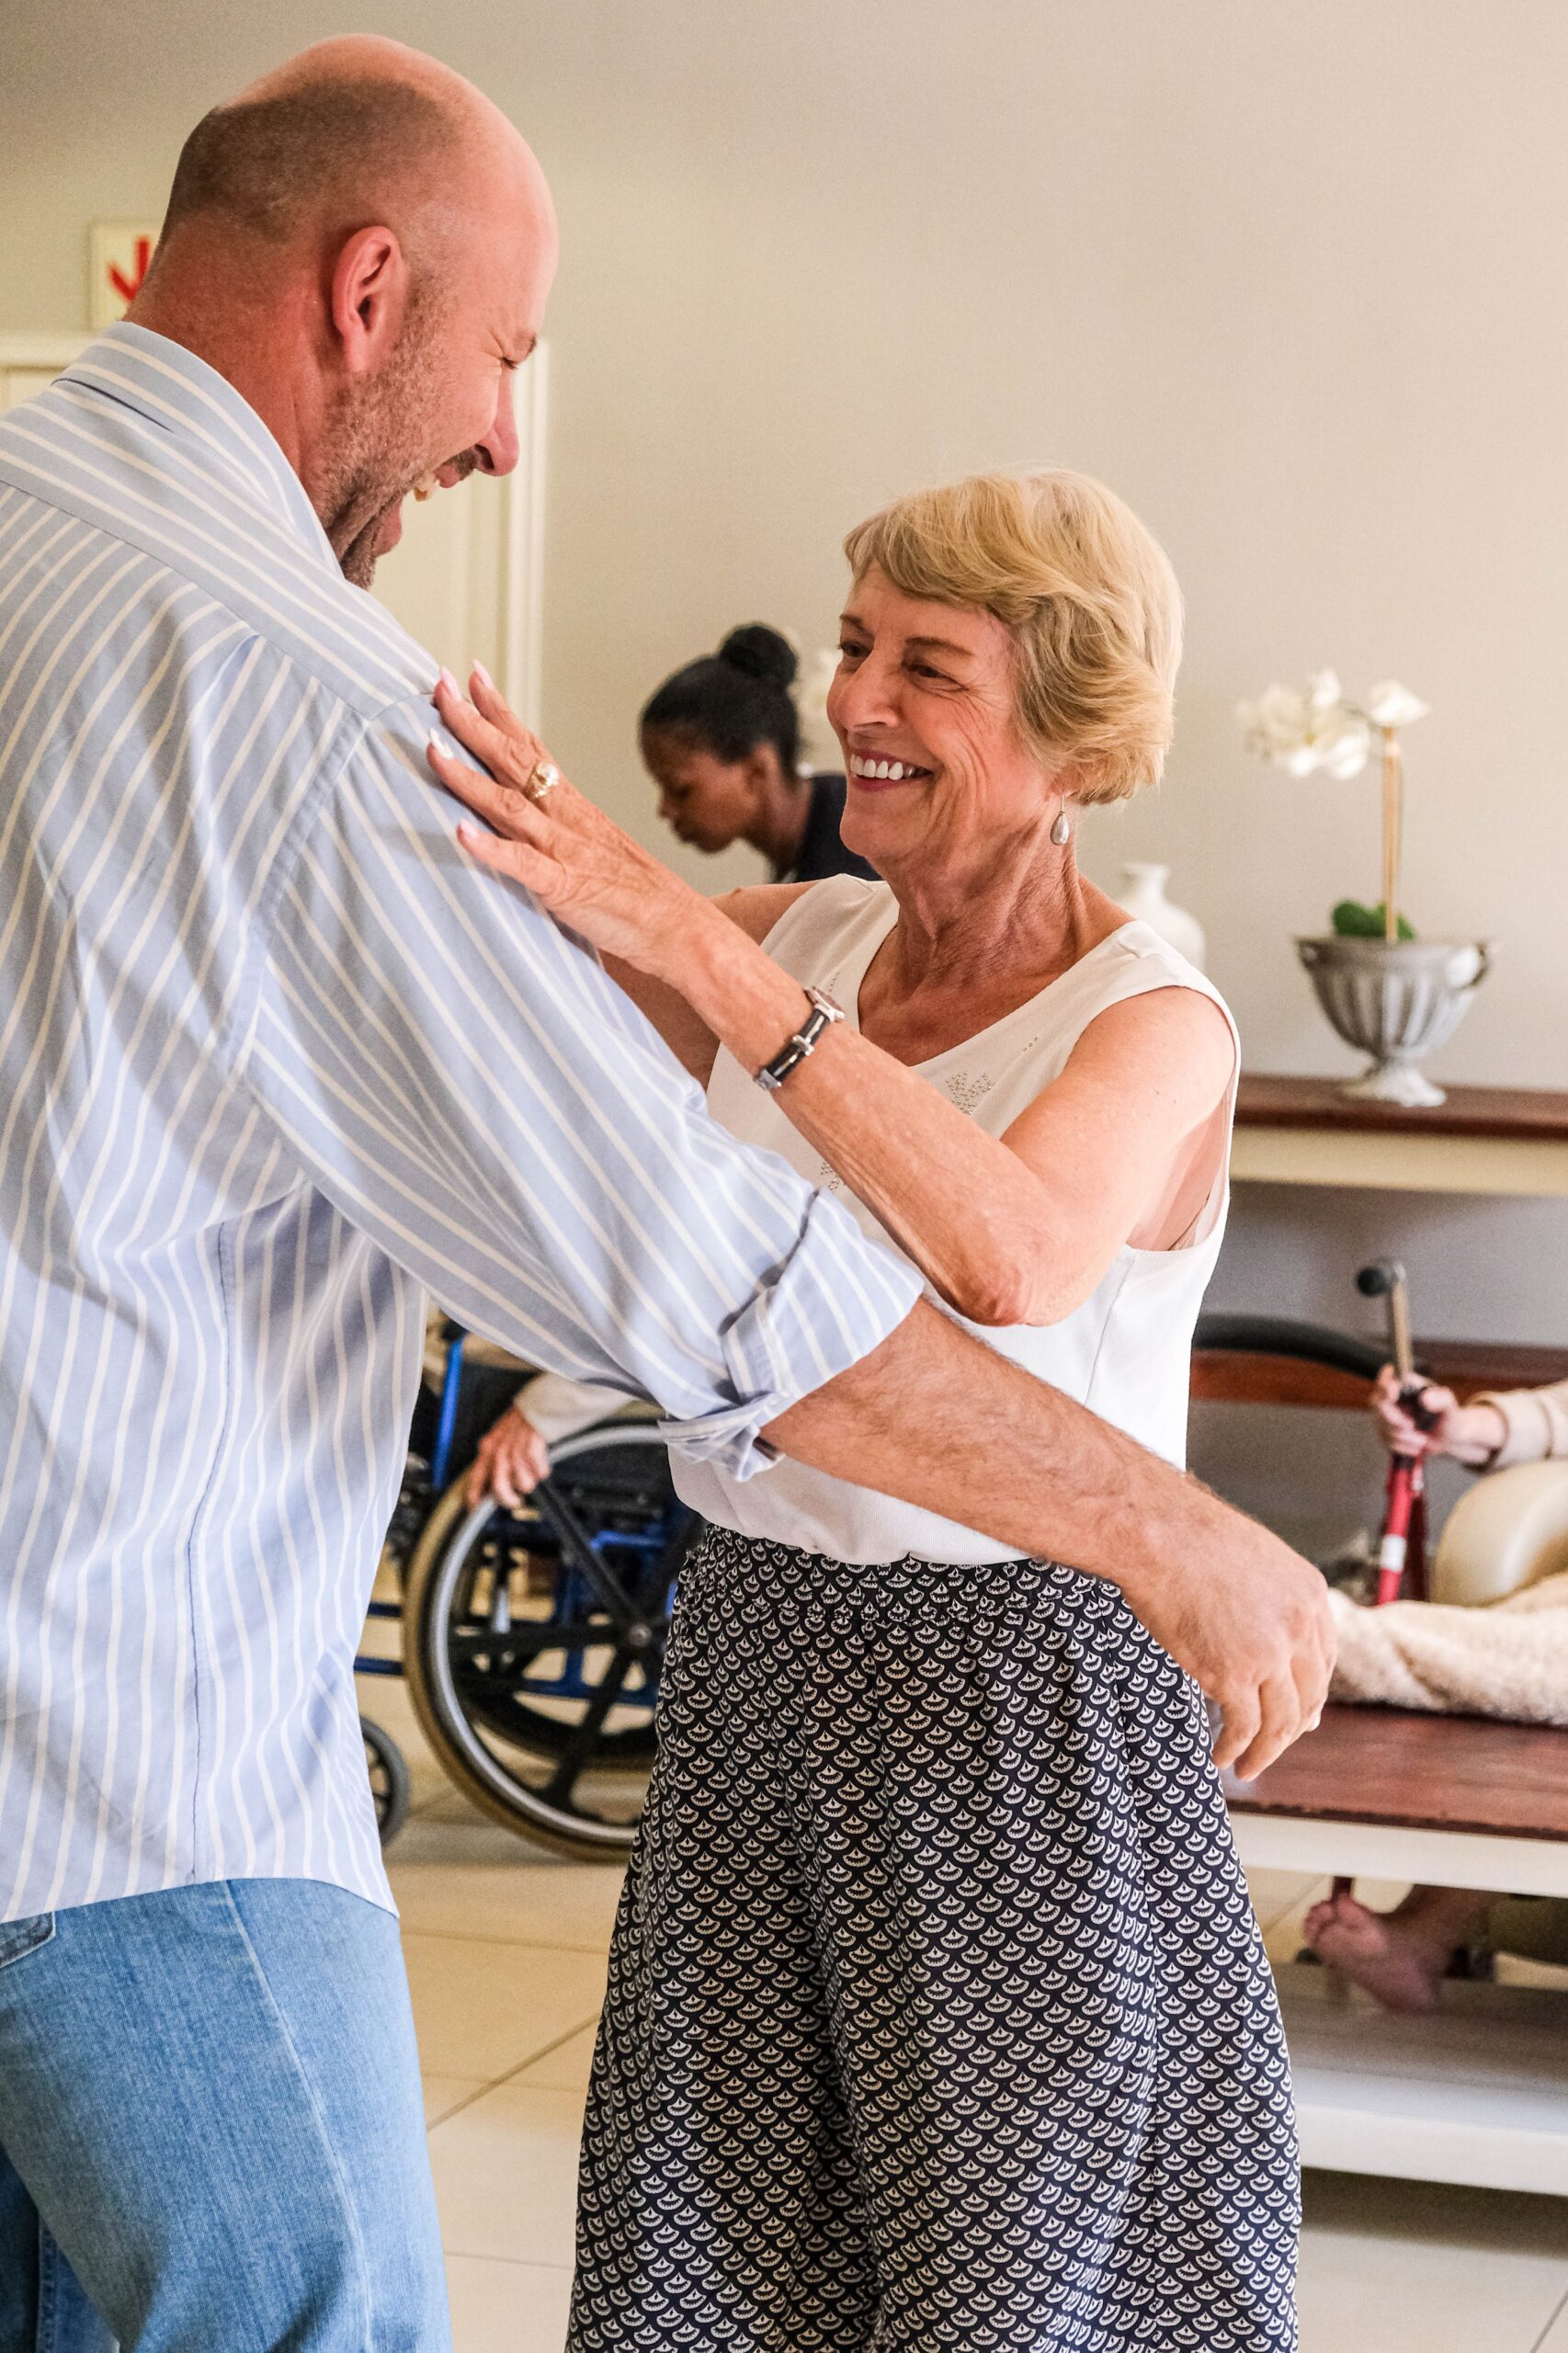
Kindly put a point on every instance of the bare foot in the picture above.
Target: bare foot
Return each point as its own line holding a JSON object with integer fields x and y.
{"x": 1398, "y": 1968}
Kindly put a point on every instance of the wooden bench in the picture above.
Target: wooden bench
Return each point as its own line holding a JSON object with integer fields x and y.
{"x": 1479, "y": 2092}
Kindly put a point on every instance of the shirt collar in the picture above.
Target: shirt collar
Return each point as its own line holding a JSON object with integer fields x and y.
{"x": 217, "y": 427}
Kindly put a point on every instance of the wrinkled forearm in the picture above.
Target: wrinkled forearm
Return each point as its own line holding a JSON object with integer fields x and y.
{"x": 973, "y": 1217}
{"x": 935, "y": 1417}
{"x": 688, "y": 1038}
{"x": 939, "y": 1419}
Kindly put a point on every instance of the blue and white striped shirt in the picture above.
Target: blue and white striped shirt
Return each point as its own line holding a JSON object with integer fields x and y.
{"x": 273, "y": 1057}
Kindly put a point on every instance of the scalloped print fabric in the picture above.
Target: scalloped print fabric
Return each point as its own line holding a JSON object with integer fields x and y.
{"x": 939, "y": 2016}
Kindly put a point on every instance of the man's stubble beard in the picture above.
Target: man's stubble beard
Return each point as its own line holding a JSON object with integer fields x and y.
{"x": 379, "y": 448}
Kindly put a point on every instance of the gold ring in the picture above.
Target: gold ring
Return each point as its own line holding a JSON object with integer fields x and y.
{"x": 544, "y": 778}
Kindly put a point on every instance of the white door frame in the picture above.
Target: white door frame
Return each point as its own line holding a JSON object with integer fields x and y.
{"x": 522, "y": 598}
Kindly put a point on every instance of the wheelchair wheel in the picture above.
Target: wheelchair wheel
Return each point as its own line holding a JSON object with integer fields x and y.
{"x": 391, "y": 1784}
{"x": 1346, "y": 1364}
{"x": 534, "y": 1640}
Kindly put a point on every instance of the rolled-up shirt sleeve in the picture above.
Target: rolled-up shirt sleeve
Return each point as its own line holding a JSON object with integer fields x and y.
{"x": 459, "y": 1076}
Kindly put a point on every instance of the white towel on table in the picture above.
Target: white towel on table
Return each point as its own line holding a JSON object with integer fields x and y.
{"x": 1508, "y": 1660}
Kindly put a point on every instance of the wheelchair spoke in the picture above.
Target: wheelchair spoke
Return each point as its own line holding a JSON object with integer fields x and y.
{"x": 526, "y": 1640}
{"x": 583, "y": 1739}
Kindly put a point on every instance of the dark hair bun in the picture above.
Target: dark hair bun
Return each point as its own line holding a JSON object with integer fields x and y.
{"x": 729, "y": 702}
{"x": 758, "y": 652}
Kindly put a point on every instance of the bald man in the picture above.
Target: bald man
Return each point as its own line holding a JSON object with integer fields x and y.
{"x": 274, "y": 1059}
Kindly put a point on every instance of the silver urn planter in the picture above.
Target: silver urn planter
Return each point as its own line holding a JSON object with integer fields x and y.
{"x": 1396, "y": 1000}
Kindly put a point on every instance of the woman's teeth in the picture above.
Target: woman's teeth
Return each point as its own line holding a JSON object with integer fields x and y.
{"x": 885, "y": 771}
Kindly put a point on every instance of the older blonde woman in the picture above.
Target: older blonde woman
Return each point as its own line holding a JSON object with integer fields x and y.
{"x": 937, "y": 2016}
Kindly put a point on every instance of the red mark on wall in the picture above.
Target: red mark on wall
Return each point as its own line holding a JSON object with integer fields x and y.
{"x": 128, "y": 288}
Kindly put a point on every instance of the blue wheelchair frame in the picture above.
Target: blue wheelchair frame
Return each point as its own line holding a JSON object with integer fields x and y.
{"x": 586, "y": 1579}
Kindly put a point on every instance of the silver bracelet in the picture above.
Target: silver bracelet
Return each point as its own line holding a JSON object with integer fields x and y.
{"x": 825, "y": 1011}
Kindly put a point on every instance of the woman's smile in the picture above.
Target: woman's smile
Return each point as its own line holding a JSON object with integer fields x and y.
{"x": 875, "y": 775}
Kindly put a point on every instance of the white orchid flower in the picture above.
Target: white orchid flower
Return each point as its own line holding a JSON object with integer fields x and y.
{"x": 1277, "y": 725}
{"x": 1319, "y": 729}
{"x": 1345, "y": 746}
{"x": 1283, "y": 714}
{"x": 1304, "y": 733}
{"x": 1388, "y": 704}
{"x": 1316, "y": 729}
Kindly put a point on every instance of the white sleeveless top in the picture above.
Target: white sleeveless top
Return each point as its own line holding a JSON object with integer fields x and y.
{"x": 1124, "y": 1352}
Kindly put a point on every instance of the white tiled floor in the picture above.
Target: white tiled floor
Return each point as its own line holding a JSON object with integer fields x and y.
{"x": 505, "y": 1949}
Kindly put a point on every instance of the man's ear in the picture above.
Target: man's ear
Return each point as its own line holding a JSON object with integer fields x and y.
{"x": 370, "y": 295}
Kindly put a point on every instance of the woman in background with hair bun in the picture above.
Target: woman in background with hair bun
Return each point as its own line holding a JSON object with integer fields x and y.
{"x": 722, "y": 740}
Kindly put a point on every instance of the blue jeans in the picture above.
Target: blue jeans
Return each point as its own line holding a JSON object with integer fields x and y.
{"x": 210, "y": 2123}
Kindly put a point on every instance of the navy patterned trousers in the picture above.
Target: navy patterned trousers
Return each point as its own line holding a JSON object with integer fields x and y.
{"x": 938, "y": 2016}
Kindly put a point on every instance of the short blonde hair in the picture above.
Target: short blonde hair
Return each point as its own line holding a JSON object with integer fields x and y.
{"x": 1086, "y": 592}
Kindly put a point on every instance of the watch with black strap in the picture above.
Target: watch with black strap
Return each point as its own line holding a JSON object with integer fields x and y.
{"x": 825, "y": 1010}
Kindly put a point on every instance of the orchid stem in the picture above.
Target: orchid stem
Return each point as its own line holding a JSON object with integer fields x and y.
{"x": 1391, "y": 813}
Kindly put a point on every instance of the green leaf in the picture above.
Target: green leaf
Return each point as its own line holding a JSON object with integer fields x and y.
{"x": 1351, "y": 920}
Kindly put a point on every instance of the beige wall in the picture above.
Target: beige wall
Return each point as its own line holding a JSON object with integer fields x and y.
{"x": 1289, "y": 273}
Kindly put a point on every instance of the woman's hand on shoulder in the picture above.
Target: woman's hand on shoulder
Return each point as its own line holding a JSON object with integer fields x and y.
{"x": 575, "y": 860}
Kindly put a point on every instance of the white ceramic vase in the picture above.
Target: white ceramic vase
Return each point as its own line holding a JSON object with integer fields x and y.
{"x": 1142, "y": 893}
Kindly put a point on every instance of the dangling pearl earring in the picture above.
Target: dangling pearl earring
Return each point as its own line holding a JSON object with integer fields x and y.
{"x": 1062, "y": 831}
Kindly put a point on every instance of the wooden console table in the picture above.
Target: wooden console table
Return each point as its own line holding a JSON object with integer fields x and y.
{"x": 1479, "y": 2091}
{"x": 1482, "y": 1140}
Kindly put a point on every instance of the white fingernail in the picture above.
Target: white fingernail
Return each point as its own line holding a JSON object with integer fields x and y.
{"x": 482, "y": 675}
{"x": 434, "y": 744}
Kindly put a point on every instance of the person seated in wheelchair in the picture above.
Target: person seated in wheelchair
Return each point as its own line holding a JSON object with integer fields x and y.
{"x": 1401, "y": 1957}
{"x": 500, "y": 1435}
{"x": 513, "y": 1456}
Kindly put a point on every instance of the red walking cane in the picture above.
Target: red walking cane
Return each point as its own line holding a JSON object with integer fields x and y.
{"x": 1402, "y": 1555}
{"x": 1403, "y": 1550}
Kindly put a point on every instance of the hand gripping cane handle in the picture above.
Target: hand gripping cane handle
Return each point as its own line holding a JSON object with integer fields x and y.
{"x": 1385, "y": 1278}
